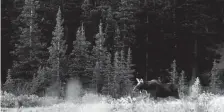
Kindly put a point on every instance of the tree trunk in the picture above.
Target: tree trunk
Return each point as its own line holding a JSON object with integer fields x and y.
{"x": 195, "y": 64}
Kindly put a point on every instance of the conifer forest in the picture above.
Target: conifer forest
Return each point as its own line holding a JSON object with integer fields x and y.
{"x": 107, "y": 46}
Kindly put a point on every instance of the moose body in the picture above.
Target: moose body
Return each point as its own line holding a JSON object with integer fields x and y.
{"x": 157, "y": 89}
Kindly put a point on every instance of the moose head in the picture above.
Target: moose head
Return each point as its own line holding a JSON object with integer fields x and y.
{"x": 140, "y": 83}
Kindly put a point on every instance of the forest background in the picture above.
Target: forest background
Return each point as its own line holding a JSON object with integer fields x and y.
{"x": 142, "y": 38}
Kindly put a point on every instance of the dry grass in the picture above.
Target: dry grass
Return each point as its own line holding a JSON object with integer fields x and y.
{"x": 90, "y": 102}
{"x": 95, "y": 103}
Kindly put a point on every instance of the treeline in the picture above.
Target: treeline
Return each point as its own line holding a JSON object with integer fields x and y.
{"x": 39, "y": 68}
{"x": 157, "y": 31}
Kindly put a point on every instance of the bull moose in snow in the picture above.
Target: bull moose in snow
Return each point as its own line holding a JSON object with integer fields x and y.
{"x": 157, "y": 88}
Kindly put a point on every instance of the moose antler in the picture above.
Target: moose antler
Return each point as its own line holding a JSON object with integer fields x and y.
{"x": 139, "y": 80}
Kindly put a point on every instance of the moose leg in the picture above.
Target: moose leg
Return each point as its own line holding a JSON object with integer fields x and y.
{"x": 176, "y": 94}
{"x": 155, "y": 97}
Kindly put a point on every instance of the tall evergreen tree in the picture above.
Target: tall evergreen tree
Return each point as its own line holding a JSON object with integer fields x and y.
{"x": 120, "y": 78}
{"x": 108, "y": 78}
{"x": 126, "y": 73}
{"x": 87, "y": 7}
{"x": 96, "y": 77}
{"x": 116, "y": 76}
{"x": 80, "y": 62}
{"x": 122, "y": 73}
{"x": 126, "y": 20}
{"x": 110, "y": 29}
{"x": 57, "y": 51}
{"x": 100, "y": 56}
{"x": 30, "y": 51}
{"x": 118, "y": 41}
{"x": 129, "y": 71}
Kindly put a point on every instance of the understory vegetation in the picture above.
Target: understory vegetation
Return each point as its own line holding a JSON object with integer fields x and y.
{"x": 196, "y": 101}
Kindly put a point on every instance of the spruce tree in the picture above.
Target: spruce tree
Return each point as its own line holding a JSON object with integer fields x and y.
{"x": 129, "y": 60}
{"x": 57, "y": 51}
{"x": 118, "y": 41}
{"x": 41, "y": 81}
{"x": 95, "y": 77}
{"x": 9, "y": 84}
{"x": 110, "y": 29}
{"x": 80, "y": 62}
{"x": 100, "y": 56}
{"x": 108, "y": 78}
{"x": 195, "y": 89}
{"x": 126, "y": 73}
{"x": 116, "y": 76}
{"x": 122, "y": 73}
{"x": 129, "y": 71}
{"x": 126, "y": 19}
{"x": 87, "y": 8}
{"x": 173, "y": 73}
{"x": 182, "y": 84}
{"x": 215, "y": 80}
{"x": 29, "y": 51}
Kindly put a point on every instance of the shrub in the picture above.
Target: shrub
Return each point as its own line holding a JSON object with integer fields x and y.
{"x": 195, "y": 89}
{"x": 182, "y": 86}
{"x": 9, "y": 100}
{"x": 48, "y": 101}
{"x": 204, "y": 102}
{"x": 29, "y": 101}
{"x": 91, "y": 98}
{"x": 215, "y": 79}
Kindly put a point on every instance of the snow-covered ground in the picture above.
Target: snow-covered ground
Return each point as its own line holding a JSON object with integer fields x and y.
{"x": 93, "y": 103}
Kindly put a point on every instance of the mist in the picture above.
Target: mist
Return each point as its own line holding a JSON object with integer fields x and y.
{"x": 73, "y": 90}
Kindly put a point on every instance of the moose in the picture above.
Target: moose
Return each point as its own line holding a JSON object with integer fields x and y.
{"x": 157, "y": 88}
